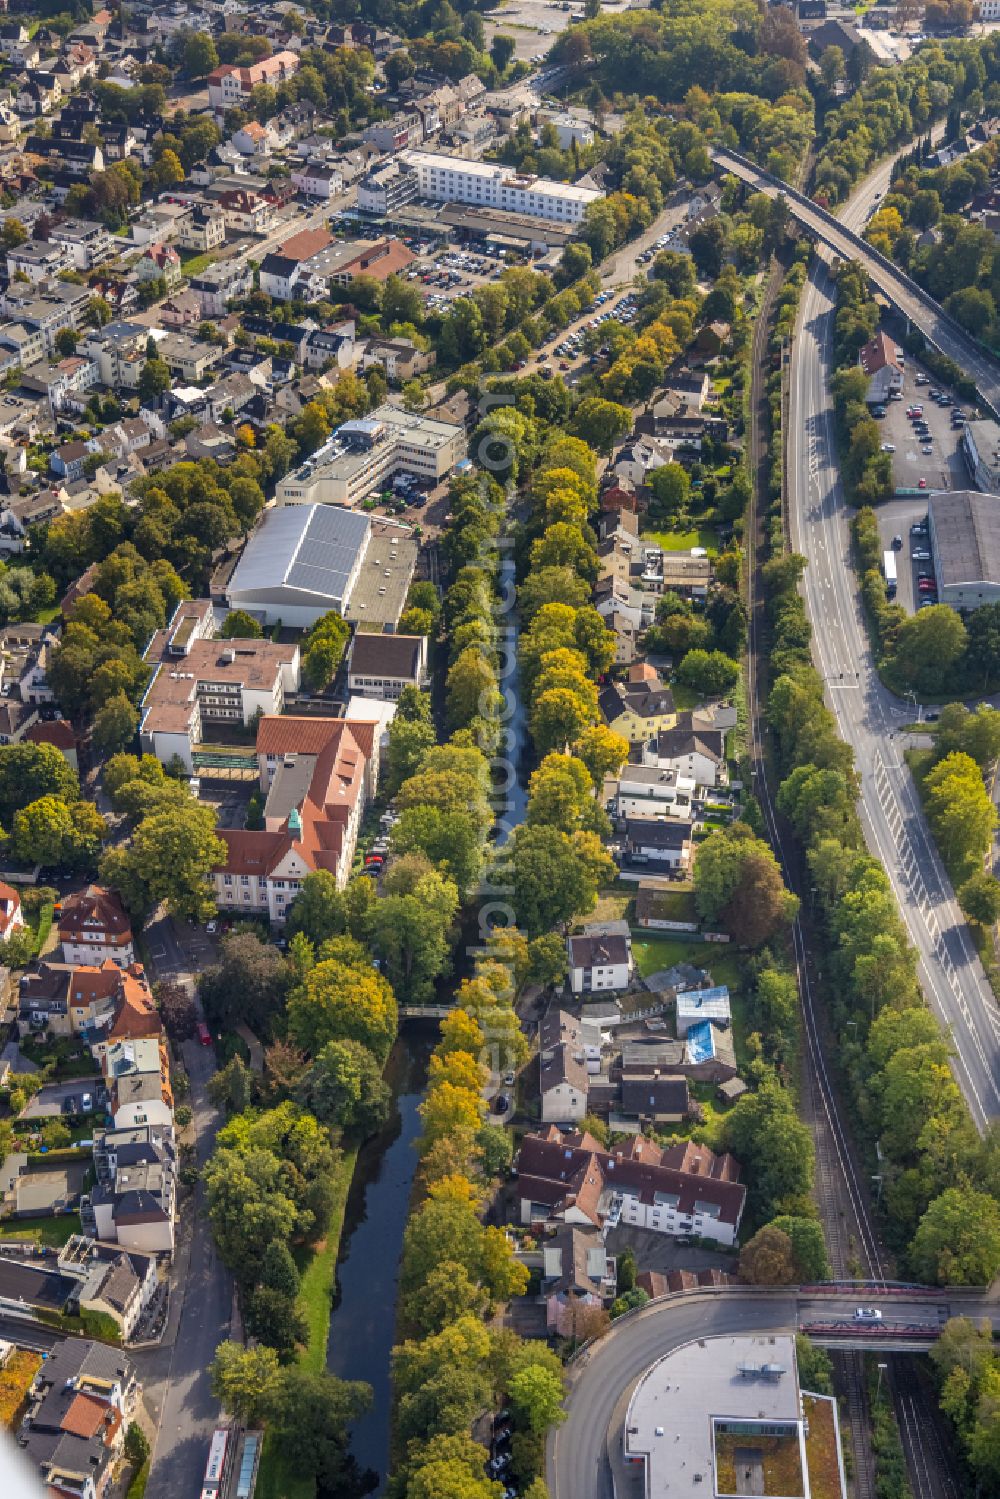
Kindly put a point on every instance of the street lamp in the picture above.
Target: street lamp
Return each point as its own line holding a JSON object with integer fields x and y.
{"x": 882, "y": 1369}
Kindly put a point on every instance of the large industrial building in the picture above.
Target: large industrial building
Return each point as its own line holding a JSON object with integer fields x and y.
{"x": 360, "y": 456}
{"x": 965, "y": 544}
{"x": 452, "y": 179}
{"x": 726, "y": 1415}
{"x": 304, "y": 560}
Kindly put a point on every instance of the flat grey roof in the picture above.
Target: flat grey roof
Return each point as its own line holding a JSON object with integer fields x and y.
{"x": 966, "y": 534}
{"x": 309, "y": 548}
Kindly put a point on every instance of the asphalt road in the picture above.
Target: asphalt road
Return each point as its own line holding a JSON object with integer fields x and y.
{"x": 577, "y": 1459}
{"x": 869, "y": 716}
{"x": 844, "y": 239}
{"x": 175, "y": 1375}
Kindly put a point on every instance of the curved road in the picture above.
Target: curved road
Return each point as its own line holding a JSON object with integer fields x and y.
{"x": 578, "y": 1465}
{"x": 868, "y": 715}
{"x": 842, "y": 237}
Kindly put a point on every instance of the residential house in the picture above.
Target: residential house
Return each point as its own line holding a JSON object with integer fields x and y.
{"x": 637, "y": 711}
{"x": 318, "y": 775}
{"x": 88, "y": 242}
{"x": 664, "y": 844}
{"x": 697, "y": 754}
{"x": 712, "y": 339}
{"x": 281, "y": 270}
{"x": 382, "y": 665}
{"x": 59, "y": 733}
{"x": 399, "y": 357}
{"x": 11, "y": 915}
{"x": 79, "y": 1406}
{"x": 695, "y": 1006}
{"x": 230, "y": 87}
{"x": 137, "y": 1077}
{"x": 335, "y": 345}
{"x": 219, "y": 284}
{"x": 182, "y": 310}
{"x": 38, "y": 260}
{"x": 569, "y": 1178}
{"x": 600, "y": 960}
{"x": 883, "y": 363}
{"x": 316, "y": 179}
{"x": 577, "y": 1274}
{"x": 94, "y": 927}
{"x": 68, "y": 460}
{"x": 245, "y": 212}
{"x": 253, "y": 139}
{"x": 649, "y": 791}
{"x": 563, "y": 1074}
{"x": 133, "y": 1203}
{"x": 109, "y": 1280}
{"x": 705, "y": 1054}
{"x": 159, "y": 263}
{"x": 203, "y": 230}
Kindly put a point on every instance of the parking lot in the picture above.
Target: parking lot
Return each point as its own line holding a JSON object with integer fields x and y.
{"x": 54, "y": 1099}
{"x": 896, "y": 519}
{"x": 566, "y": 350}
{"x": 918, "y": 462}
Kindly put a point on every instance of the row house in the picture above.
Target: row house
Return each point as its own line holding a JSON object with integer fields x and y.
{"x": 230, "y": 87}
{"x": 78, "y": 1410}
{"x": 134, "y": 1200}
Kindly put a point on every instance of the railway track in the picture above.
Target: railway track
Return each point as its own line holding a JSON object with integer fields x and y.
{"x": 851, "y": 1240}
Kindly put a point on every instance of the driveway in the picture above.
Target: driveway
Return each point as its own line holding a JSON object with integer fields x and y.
{"x": 48, "y": 1101}
{"x": 662, "y": 1253}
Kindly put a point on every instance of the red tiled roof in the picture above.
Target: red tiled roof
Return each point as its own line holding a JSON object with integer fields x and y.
{"x": 59, "y": 732}
{"x": 305, "y": 244}
{"x": 137, "y": 1015}
{"x": 572, "y": 1170}
{"x": 95, "y": 909}
{"x": 85, "y": 1415}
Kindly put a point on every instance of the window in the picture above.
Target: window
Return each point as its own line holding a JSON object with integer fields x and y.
{"x": 227, "y": 879}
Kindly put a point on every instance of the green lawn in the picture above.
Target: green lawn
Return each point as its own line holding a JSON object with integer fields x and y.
{"x": 685, "y": 697}
{"x": 683, "y": 541}
{"x": 317, "y": 1272}
{"x": 195, "y": 264}
{"x": 653, "y": 953}
{"x": 277, "y": 1478}
{"x": 51, "y": 1231}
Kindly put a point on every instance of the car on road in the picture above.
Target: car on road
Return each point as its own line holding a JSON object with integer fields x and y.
{"x": 920, "y": 554}
{"x": 921, "y": 482}
{"x": 867, "y": 1314}
{"x": 501, "y": 1103}
{"x": 508, "y": 1079}
{"x": 888, "y": 447}
{"x": 211, "y": 927}
{"x": 921, "y": 379}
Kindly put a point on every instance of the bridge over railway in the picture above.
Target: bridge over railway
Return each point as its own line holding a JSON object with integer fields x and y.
{"x": 901, "y": 290}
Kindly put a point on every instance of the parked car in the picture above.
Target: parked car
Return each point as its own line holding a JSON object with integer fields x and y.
{"x": 203, "y": 1034}
{"x": 921, "y": 555}
{"x": 897, "y": 543}
{"x": 501, "y": 1103}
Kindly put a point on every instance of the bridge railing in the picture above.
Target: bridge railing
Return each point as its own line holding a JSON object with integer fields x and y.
{"x": 864, "y": 249}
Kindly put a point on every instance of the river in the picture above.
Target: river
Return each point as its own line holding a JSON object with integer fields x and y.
{"x": 363, "y": 1324}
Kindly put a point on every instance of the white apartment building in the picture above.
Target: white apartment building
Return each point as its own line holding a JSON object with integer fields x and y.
{"x": 230, "y": 86}
{"x": 362, "y": 454}
{"x": 87, "y": 241}
{"x": 451, "y": 179}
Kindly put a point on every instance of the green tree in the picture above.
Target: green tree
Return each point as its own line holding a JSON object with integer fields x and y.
{"x": 29, "y": 771}
{"x": 245, "y": 1380}
{"x": 239, "y": 625}
{"x": 767, "y": 1259}
{"x": 115, "y": 725}
{"x": 340, "y": 1003}
{"x": 154, "y": 381}
{"x": 808, "y": 1247}
{"x": 671, "y": 486}
{"x": 318, "y": 910}
{"x": 737, "y": 881}
{"x": 708, "y": 672}
{"x": 344, "y": 1089}
{"x": 979, "y": 898}
{"x": 552, "y": 882}
{"x": 501, "y": 51}
{"x": 536, "y": 1395}
{"x": 313, "y": 1413}
{"x": 199, "y": 55}
{"x": 773, "y": 1145}
{"x": 169, "y": 859}
{"x": 279, "y": 1271}
{"x": 928, "y": 646}
{"x": 957, "y": 1242}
